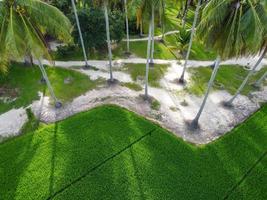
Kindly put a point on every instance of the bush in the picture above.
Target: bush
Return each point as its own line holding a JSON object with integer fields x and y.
{"x": 93, "y": 27}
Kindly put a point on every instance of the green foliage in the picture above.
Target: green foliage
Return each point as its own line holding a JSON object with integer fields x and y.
{"x": 155, "y": 104}
{"x": 233, "y": 28}
{"x": 133, "y": 86}
{"x": 229, "y": 78}
{"x": 93, "y": 27}
{"x": 105, "y": 154}
{"x": 23, "y": 25}
{"x": 182, "y": 40}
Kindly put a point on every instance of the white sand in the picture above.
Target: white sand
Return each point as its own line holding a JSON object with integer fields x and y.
{"x": 12, "y": 121}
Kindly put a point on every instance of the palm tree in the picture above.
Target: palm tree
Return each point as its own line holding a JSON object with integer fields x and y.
{"x": 261, "y": 79}
{"x": 80, "y": 33}
{"x": 148, "y": 7}
{"x": 127, "y": 26}
{"x": 23, "y": 25}
{"x": 194, "y": 123}
{"x": 261, "y": 13}
{"x": 224, "y": 28}
{"x": 252, "y": 71}
{"x": 148, "y": 56}
{"x": 151, "y": 61}
{"x": 105, "y": 5}
{"x": 181, "y": 80}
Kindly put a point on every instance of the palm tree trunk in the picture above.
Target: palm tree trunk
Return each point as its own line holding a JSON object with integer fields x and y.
{"x": 194, "y": 123}
{"x": 108, "y": 40}
{"x": 163, "y": 21}
{"x": 127, "y": 26}
{"x": 141, "y": 28}
{"x": 230, "y": 102}
{"x": 152, "y": 35}
{"x": 187, "y": 4}
{"x": 80, "y": 33}
{"x": 58, "y": 104}
{"x": 148, "y": 58}
{"x": 259, "y": 82}
{"x": 181, "y": 80}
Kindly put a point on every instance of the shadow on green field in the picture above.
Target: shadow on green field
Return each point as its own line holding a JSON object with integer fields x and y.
{"x": 111, "y": 153}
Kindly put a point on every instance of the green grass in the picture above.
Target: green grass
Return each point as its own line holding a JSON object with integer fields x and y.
{"x": 132, "y": 86}
{"x": 139, "y": 49}
{"x": 229, "y": 78}
{"x": 139, "y": 70}
{"x": 155, "y": 105}
{"x": 105, "y": 154}
{"x": 26, "y": 81}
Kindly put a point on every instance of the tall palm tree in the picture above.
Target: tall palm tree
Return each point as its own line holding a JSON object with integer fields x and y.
{"x": 224, "y": 28}
{"x": 80, "y": 33}
{"x": 261, "y": 79}
{"x": 181, "y": 80}
{"x": 151, "y": 61}
{"x": 23, "y": 25}
{"x": 148, "y": 56}
{"x": 252, "y": 71}
{"x": 127, "y": 26}
{"x": 261, "y": 12}
{"x": 147, "y": 7}
{"x": 105, "y": 5}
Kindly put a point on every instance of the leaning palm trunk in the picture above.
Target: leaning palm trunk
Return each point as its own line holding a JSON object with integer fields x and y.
{"x": 163, "y": 21}
{"x": 127, "y": 26}
{"x": 259, "y": 82}
{"x": 181, "y": 80}
{"x": 214, "y": 73}
{"x": 230, "y": 102}
{"x": 58, "y": 104}
{"x": 152, "y": 35}
{"x": 187, "y": 4}
{"x": 141, "y": 28}
{"x": 80, "y": 33}
{"x": 148, "y": 59}
{"x": 108, "y": 40}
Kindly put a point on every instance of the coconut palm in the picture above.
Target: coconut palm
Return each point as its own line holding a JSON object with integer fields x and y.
{"x": 127, "y": 26}
{"x": 224, "y": 28}
{"x": 23, "y": 25}
{"x": 147, "y": 7}
{"x": 261, "y": 79}
{"x": 252, "y": 71}
{"x": 80, "y": 33}
{"x": 181, "y": 80}
{"x": 261, "y": 12}
{"x": 148, "y": 56}
{"x": 104, "y": 4}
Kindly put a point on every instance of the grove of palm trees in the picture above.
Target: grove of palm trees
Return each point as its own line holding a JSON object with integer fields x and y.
{"x": 133, "y": 99}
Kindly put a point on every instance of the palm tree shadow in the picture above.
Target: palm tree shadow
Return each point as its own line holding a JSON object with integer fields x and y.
{"x": 139, "y": 183}
{"x": 53, "y": 158}
{"x": 19, "y": 160}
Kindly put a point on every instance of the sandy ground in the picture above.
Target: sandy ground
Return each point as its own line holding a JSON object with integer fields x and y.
{"x": 177, "y": 107}
{"x": 11, "y": 122}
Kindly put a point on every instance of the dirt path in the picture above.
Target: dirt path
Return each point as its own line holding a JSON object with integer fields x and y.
{"x": 177, "y": 107}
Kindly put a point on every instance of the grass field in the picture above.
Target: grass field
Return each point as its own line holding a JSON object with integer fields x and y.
{"x": 229, "y": 78}
{"x": 139, "y": 71}
{"x": 23, "y": 83}
{"x": 111, "y": 153}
